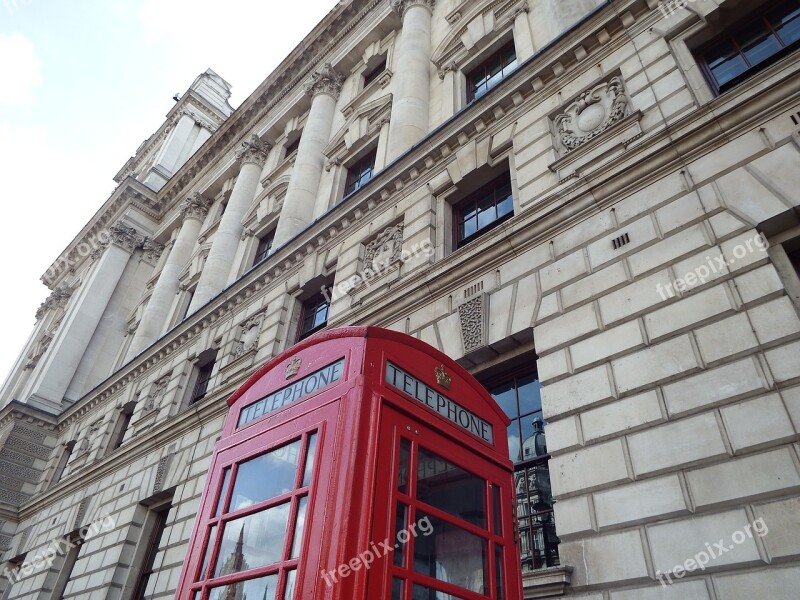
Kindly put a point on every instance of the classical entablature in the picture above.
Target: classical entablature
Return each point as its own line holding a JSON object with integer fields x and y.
{"x": 359, "y": 128}
{"x": 472, "y": 23}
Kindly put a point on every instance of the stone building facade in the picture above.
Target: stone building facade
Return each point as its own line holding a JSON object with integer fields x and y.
{"x": 592, "y": 205}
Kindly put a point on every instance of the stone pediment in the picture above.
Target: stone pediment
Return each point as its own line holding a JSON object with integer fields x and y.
{"x": 471, "y": 23}
{"x": 361, "y": 124}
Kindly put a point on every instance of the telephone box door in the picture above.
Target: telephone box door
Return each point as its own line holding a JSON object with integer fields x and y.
{"x": 445, "y": 518}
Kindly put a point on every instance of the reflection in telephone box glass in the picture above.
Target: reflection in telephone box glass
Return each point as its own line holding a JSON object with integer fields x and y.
{"x": 360, "y": 464}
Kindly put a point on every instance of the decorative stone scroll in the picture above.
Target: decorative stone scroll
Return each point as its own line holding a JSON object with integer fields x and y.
{"x": 325, "y": 81}
{"x": 593, "y": 112}
{"x": 249, "y": 334}
{"x": 195, "y": 206}
{"x": 254, "y": 151}
{"x": 401, "y": 6}
{"x": 57, "y": 298}
{"x": 384, "y": 250}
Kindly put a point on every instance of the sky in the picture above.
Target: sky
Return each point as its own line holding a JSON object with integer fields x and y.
{"x": 82, "y": 84}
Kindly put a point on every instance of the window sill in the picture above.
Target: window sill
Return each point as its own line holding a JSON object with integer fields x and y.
{"x": 546, "y": 583}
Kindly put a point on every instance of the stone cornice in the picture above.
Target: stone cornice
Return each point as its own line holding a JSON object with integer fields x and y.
{"x": 17, "y": 411}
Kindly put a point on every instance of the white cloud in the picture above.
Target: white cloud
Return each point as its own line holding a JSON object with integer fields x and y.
{"x": 20, "y": 70}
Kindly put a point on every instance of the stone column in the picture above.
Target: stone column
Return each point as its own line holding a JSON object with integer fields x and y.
{"x": 523, "y": 39}
{"x": 301, "y": 195}
{"x": 218, "y": 265}
{"x": 194, "y": 211}
{"x": 55, "y": 370}
{"x": 411, "y": 90}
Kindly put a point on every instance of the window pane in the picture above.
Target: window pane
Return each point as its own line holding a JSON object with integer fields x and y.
{"x": 212, "y": 536}
{"x": 452, "y": 555}
{"x": 265, "y": 476}
{"x": 420, "y": 592}
{"x": 498, "y": 570}
{"x": 534, "y": 443}
{"x": 496, "y": 518}
{"x": 402, "y": 474}
{"x": 757, "y": 43}
{"x": 263, "y": 589}
{"x": 505, "y": 204}
{"x": 299, "y": 526}
{"x": 400, "y": 524}
{"x": 514, "y": 442}
{"x": 530, "y": 394}
{"x": 450, "y": 488}
{"x": 291, "y": 578}
{"x": 397, "y": 589}
{"x": 487, "y": 214}
{"x": 253, "y": 541}
{"x": 312, "y": 449}
{"x": 726, "y": 63}
{"x": 506, "y": 396}
{"x": 469, "y": 227}
{"x": 223, "y": 492}
{"x": 786, "y": 21}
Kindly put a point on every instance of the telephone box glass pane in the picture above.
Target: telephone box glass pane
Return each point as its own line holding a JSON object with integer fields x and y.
{"x": 452, "y": 555}
{"x": 224, "y": 492}
{"x": 253, "y": 541}
{"x": 420, "y": 592}
{"x": 312, "y": 449}
{"x": 262, "y": 588}
{"x": 291, "y": 578}
{"x": 212, "y": 536}
{"x": 442, "y": 484}
{"x": 498, "y": 571}
{"x": 400, "y": 524}
{"x": 402, "y": 473}
{"x": 265, "y": 476}
{"x": 498, "y": 525}
{"x": 299, "y": 526}
{"x": 397, "y": 589}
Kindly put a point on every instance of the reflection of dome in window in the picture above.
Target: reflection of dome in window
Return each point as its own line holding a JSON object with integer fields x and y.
{"x": 536, "y": 444}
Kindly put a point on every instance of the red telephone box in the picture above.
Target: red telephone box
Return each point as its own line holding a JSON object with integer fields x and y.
{"x": 361, "y": 464}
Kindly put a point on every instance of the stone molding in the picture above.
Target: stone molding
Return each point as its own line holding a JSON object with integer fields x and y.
{"x": 254, "y": 151}
{"x": 401, "y": 6}
{"x": 195, "y": 206}
{"x": 325, "y": 81}
{"x": 472, "y": 315}
{"x": 590, "y": 114}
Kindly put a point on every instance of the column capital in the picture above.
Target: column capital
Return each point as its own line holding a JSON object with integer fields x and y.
{"x": 195, "y": 206}
{"x": 401, "y": 6}
{"x": 254, "y": 151}
{"x": 126, "y": 237}
{"x": 152, "y": 250}
{"x": 325, "y": 81}
{"x": 58, "y": 297}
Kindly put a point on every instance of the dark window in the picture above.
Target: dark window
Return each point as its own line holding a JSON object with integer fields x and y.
{"x": 201, "y": 385}
{"x": 122, "y": 426}
{"x": 264, "y": 247}
{"x": 61, "y": 466}
{"x": 189, "y": 298}
{"x": 482, "y": 210}
{"x": 313, "y": 317}
{"x": 360, "y": 173}
{"x": 794, "y": 258}
{"x": 372, "y": 74}
{"x": 291, "y": 147}
{"x": 153, "y": 542}
{"x": 770, "y": 34}
{"x": 491, "y": 72}
{"x": 519, "y": 395}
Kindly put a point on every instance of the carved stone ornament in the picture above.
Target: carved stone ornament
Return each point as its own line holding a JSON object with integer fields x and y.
{"x": 42, "y": 344}
{"x": 325, "y": 81}
{"x": 592, "y": 113}
{"x": 254, "y": 151}
{"x": 293, "y": 367}
{"x": 384, "y": 250}
{"x": 126, "y": 237}
{"x": 58, "y": 298}
{"x": 156, "y": 394}
{"x": 471, "y": 314}
{"x": 86, "y": 442}
{"x": 248, "y": 336}
{"x": 401, "y": 6}
{"x": 195, "y": 206}
{"x": 152, "y": 250}
{"x": 442, "y": 377}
